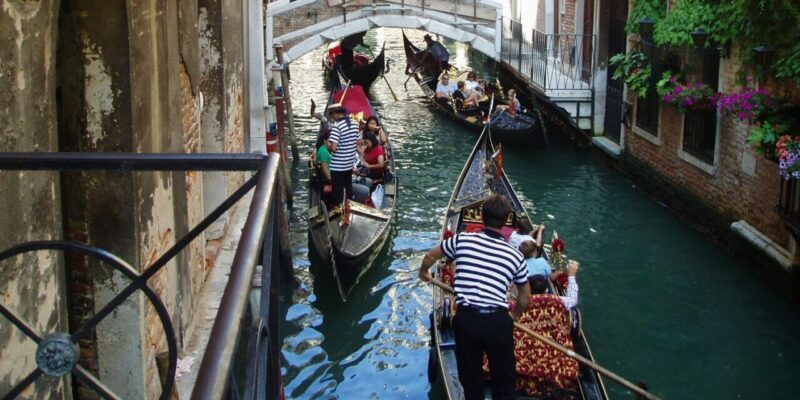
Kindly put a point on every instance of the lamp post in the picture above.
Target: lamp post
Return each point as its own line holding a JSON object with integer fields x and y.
{"x": 764, "y": 55}
{"x": 646, "y": 26}
{"x": 699, "y": 37}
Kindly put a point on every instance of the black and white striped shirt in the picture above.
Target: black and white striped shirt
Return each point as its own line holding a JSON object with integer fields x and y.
{"x": 346, "y": 139}
{"x": 485, "y": 267}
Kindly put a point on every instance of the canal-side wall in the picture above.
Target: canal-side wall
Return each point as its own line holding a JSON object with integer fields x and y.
{"x": 84, "y": 76}
{"x": 31, "y": 285}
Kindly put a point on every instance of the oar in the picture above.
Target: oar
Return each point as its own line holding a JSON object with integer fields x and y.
{"x": 569, "y": 352}
{"x": 384, "y": 76}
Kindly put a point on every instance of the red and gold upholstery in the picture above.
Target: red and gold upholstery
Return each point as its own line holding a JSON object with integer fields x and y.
{"x": 536, "y": 361}
{"x": 539, "y": 366}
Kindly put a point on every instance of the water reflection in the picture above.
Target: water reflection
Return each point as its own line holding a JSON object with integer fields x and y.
{"x": 661, "y": 304}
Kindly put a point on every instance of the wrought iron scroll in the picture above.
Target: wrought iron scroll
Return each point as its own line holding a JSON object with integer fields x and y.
{"x": 57, "y": 352}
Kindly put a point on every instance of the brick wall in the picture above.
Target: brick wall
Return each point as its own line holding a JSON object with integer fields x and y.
{"x": 734, "y": 191}
{"x": 567, "y": 17}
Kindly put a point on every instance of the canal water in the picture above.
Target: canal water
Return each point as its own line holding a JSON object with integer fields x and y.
{"x": 660, "y": 303}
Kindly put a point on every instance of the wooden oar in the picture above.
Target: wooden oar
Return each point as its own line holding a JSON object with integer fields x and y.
{"x": 569, "y": 352}
{"x": 384, "y": 76}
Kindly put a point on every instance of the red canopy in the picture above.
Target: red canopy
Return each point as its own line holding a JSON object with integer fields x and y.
{"x": 355, "y": 101}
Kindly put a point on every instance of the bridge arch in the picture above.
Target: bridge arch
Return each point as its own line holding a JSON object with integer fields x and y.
{"x": 302, "y": 30}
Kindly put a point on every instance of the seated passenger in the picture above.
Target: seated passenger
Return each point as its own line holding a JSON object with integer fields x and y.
{"x": 539, "y": 286}
{"x": 445, "y": 88}
{"x": 523, "y": 233}
{"x": 472, "y": 80}
{"x": 374, "y": 127}
{"x": 373, "y": 157}
{"x": 537, "y": 265}
{"x": 513, "y": 103}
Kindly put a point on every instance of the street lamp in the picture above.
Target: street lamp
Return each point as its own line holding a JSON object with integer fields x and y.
{"x": 699, "y": 37}
{"x": 763, "y": 55}
{"x": 646, "y": 28}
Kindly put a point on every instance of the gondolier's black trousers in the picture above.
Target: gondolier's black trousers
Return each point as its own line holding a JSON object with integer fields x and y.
{"x": 342, "y": 182}
{"x": 478, "y": 332}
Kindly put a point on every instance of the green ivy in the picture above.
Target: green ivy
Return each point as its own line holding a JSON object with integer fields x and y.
{"x": 634, "y": 69}
{"x": 654, "y": 9}
{"x": 742, "y": 23}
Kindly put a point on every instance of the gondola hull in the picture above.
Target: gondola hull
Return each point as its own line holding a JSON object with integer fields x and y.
{"x": 350, "y": 236}
{"x": 363, "y": 73}
{"x": 481, "y": 177}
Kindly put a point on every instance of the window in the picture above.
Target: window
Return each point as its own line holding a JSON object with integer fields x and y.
{"x": 789, "y": 206}
{"x": 648, "y": 108}
{"x": 700, "y": 126}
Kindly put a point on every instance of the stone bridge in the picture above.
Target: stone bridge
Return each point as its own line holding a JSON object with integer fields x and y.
{"x": 304, "y": 25}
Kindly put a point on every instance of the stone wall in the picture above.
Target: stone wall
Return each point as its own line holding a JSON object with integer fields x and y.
{"x": 31, "y": 285}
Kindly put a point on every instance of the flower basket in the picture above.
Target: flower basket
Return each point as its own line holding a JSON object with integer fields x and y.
{"x": 788, "y": 151}
{"x": 686, "y": 96}
{"x": 749, "y": 105}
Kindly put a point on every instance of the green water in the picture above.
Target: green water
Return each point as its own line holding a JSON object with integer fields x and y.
{"x": 660, "y": 303}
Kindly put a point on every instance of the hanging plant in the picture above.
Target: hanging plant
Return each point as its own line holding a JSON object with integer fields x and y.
{"x": 788, "y": 151}
{"x": 634, "y": 70}
{"x": 764, "y": 137}
{"x": 686, "y": 96}
{"x": 748, "y": 105}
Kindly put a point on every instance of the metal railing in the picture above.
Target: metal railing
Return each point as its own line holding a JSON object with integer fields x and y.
{"x": 550, "y": 61}
{"x": 217, "y": 377}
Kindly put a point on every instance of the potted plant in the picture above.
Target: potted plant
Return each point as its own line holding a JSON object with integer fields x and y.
{"x": 686, "y": 96}
{"x": 748, "y": 105}
{"x": 634, "y": 70}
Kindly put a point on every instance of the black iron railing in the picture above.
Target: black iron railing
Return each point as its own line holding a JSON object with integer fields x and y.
{"x": 551, "y": 61}
{"x": 57, "y": 353}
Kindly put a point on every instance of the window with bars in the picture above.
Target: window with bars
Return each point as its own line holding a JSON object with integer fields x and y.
{"x": 789, "y": 206}
{"x": 700, "y": 126}
{"x": 648, "y": 108}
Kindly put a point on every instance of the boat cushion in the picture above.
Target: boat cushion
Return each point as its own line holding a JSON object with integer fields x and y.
{"x": 538, "y": 364}
{"x": 541, "y": 368}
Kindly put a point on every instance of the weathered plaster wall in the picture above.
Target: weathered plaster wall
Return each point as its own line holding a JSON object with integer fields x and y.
{"x": 31, "y": 285}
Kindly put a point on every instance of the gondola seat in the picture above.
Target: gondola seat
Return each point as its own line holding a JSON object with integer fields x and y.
{"x": 539, "y": 366}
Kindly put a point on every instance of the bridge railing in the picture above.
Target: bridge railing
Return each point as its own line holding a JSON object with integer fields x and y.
{"x": 241, "y": 359}
{"x": 551, "y": 61}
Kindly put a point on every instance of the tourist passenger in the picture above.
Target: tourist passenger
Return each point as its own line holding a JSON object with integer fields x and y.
{"x": 469, "y": 97}
{"x": 485, "y": 268}
{"x": 537, "y": 265}
{"x": 342, "y": 142}
{"x": 539, "y": 285}
{"x": 322, "y": 157}
{"x": 472, "y": 80}
{"x": 374, "y": 127}
{"x": 438, "y": 52}
{"x": 514, "y": 107}
{"x": 445, "y": 88}
{"x": 373, "y": 157}
{"x": 523, "y": 233}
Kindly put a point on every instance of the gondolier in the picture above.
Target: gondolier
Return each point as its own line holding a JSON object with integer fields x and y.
{"x": 438, "y": 52}
{"x": 343, "y": 140}
{"x": 485, "y": 268}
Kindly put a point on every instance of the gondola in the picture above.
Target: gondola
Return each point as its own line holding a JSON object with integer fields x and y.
{"x": 481, "y": 177}
{"x": 363, "y": 72}
{"x": 523, "y": 128}
{"x": 351, "y": 235}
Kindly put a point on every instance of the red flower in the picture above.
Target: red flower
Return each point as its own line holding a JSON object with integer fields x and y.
{"x": 558, "y": 245}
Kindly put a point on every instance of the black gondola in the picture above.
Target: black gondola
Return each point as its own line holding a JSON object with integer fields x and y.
{"x": 481, "y": 177}
{"x": 359, "y": 69}
{"x": 523, "y": 128}
{"x": 351, "y": 235}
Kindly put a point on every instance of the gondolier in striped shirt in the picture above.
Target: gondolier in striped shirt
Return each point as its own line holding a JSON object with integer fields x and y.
{"x": 343, "y": 140}
{"x": 485, "y": 268}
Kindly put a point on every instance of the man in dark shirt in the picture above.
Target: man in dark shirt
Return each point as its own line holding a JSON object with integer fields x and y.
{"x": 485, "y": 268}
{"x": 438, "y": 52}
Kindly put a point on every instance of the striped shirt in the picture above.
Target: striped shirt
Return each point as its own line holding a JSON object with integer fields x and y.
{"x": 485, "y": 267}
{"x": 346, "y": 139}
